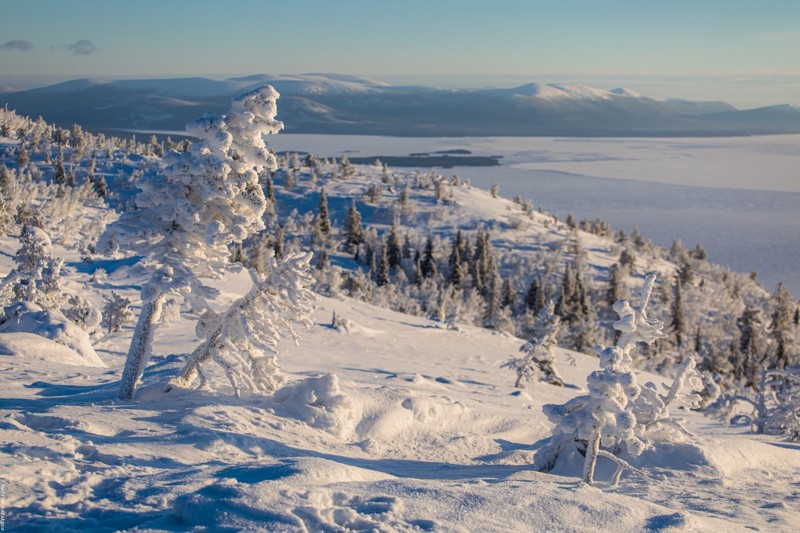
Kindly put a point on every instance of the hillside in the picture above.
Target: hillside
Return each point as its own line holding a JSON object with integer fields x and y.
{"x": 389, "y": 421}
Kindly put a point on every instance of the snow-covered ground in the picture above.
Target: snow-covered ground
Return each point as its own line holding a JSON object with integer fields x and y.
{"x": 739, "y": 196}
{"x": 394, "y": 423}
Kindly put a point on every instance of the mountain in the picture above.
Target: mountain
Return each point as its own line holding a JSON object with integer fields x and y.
{"x": 337, "y": 104}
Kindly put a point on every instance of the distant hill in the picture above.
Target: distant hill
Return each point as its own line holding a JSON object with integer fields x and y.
{"x": 329, "y": 103}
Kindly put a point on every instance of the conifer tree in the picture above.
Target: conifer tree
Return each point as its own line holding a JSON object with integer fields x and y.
{"x": 535, "y": 297}
{"x": 353, "y": 230}
{"x": 23, "y": 157}
{"x": 456, "y": 270}
{"x": 60, "y": 177}
{"x": 393, "y": 252}
{"x": 203, "y": 201}
{"x": 618, "y": 414}
{"x": 323, "y": 222}
{"x": 382, "y": 274}
{"x": 428, "y": 264}
{"x": 678, "y": 322}
{"x": 509, "y": 294}
{"x": 751, "y": 345}
{"x": 616, "y": 284}
{"x": 782, "y": 330}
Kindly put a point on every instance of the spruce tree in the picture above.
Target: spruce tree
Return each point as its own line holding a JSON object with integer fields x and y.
{"x": 678, "y": 322}
{"x": 751, "y": 345}
{"x": 203, "y": 201}
{"x": 353, "y": 230}
{"x": 428, "y": 264}
{"x": 323, "y": 220}
{"x": 382, "y": 275}
{"x": 393, "y": 251}
{"x": 456, "y": 270}
{"x": 535, "y": 298}
{"x": 781, "y": 328}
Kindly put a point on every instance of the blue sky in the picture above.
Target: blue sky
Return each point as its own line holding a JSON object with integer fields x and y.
{"x": 695, "y": 49}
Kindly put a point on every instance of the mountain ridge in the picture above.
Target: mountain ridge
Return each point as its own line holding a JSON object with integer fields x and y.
{"x": 340, "y": 104}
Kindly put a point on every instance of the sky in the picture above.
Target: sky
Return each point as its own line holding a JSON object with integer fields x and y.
{"x": 743, "y": 52}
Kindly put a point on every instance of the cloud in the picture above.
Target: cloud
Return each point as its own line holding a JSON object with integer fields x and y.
{"x": 17, "y": 45}
{"x": 83, "y": 47}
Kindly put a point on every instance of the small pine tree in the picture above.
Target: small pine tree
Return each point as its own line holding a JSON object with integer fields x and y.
{"x": 393, "y": 252}
{"x": 117, "y": 312}
{"x": 353, "y": 230}
{"x": 323, "y": 221}
{"x": 428, "y": 267}
{"x": 382, "y": 273}
{"x": 781, "y": 329}
{"x": 618, "y": 414}
{"x": 537, "y": 363}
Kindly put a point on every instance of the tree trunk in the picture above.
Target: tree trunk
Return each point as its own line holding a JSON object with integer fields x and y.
{"x": 141, "y": 346}
{"x": 592, "y": 450}
{"x": 192, "y": 367}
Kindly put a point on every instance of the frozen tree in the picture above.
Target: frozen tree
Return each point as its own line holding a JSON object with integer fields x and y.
{"x": 618, "y": 415}
{"x": 323, "y": 221}
{"x": 752, "y": 345}
{"x": 782, "y": 329}
{"x": 393, "y": 252}
{"x": 240, "y": 339}
{"x": 537, "y": 363}
{"x": 382, "y": 274}
{"x": 205, "y": 199}
{"x": 83, "y": 313}
{"x": 774, "y": 405}
{"x": 37, "y": 276}
{"x": 117, "y": 312}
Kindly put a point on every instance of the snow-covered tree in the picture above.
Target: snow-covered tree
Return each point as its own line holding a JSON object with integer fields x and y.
{"x": 205, "y": 199}
{"x": 353, "y": 229}
{"x": 117, "y": 312}
{"x": 774, "y": 405}
{"x": 618, "y": 415}
{"x": 241, "y": 339}
{"x": 537, "y": 363}
{"x": 37, "y": 277}
{"x": 83, "y": 312}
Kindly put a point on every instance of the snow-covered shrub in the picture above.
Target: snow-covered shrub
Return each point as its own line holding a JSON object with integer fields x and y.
{"x": 37, "y": 278}
{"x": 206, "y": 199}
{"x": 27, "y": 317}
{"x": 774, "y": 408}
{"x": 83, "y": 313}
{"x": 537, "y": 363}
{"x": 618, "y": 415}
{"x": 117, "y": 312}
{"x": 240, "y": 339}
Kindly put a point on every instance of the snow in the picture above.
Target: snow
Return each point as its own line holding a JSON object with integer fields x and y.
{"x": 74, "y": 344}
{"x": 31, "y": 346}
{"x": 386, "y": 422}
{"x": 398, "y": 425}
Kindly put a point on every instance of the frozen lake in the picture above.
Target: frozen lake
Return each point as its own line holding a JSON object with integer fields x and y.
{"x": 739, "y": 196}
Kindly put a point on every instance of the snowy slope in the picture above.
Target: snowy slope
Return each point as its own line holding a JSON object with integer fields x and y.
{"x": 398, "y": 424}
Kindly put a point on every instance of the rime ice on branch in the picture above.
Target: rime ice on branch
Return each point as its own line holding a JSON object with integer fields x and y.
{"x": 238, "y": 339}
{"x": 188, "y": 214}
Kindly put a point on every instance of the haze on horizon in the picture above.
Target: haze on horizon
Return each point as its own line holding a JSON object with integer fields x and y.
{"x": 741, "y": 52}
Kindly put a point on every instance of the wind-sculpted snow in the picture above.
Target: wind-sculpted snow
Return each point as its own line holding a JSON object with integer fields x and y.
{"x": 422, "y": 434}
